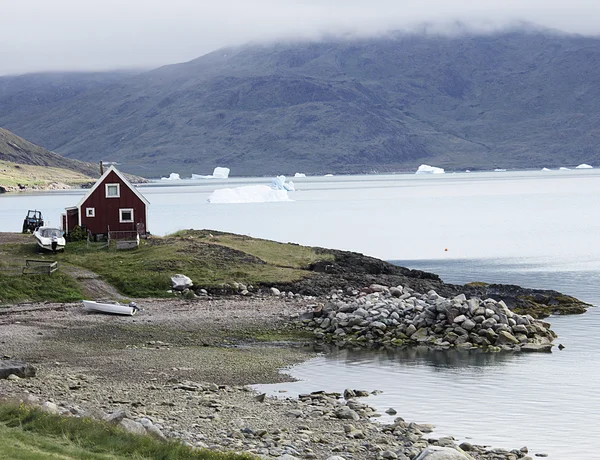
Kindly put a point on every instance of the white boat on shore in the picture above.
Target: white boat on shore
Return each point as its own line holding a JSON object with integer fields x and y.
{"x": 50, "y": 239}
{"x": 112, "y": 308}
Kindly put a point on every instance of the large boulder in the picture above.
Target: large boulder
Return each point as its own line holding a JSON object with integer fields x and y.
{"x": 18, "y": 368}
{"x": 181, "y": 282}
{"x": 442, "y": 453}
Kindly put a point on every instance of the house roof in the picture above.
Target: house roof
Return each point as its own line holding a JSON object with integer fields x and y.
{"x": 122, "y": 177}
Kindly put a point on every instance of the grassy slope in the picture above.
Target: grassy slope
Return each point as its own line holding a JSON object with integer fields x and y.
{"x": 13, "y": 174}
{"x": 210, "y": 259}
{"x": 28, "y": 434}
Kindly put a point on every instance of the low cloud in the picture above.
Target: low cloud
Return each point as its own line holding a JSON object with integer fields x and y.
{"x": 42, "y": 35}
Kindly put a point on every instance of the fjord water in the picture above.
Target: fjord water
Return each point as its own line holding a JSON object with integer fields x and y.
{"x": 536, "y": 229}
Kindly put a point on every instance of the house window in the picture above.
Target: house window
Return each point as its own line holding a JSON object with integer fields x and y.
{"x": 90, "y": 212}
{"x": 113, "y": 190}
{"x": 126, "y": 215}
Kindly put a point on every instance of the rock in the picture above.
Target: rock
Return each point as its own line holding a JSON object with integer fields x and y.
{"x": 396, "y": 291}
{"x": 537, "y": 347}
{"x": 276, "y": 292}
{"x": 132, "y": 426}
{"x": 13, "y": 377}
{"x": 388, "y": 454}
{"x": 116, "y": 416}
{"x": 442, "y": 453}
{"x": 391, "y": 411}
{"x": 506, "y": 338}
{"x": 335, "y": 457}
{"x": 50, "y": 408}
{"x": 345, "y": 413}
{"x": 181, "y": 282}
{"x": 261, "y": 397}
{"x": 18, "y": 368}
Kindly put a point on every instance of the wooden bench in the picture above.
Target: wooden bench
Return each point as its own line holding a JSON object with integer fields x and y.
{"x": 39, "y": 267}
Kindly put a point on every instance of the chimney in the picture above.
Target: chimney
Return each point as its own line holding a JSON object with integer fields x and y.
{"x": 101, "y": 168}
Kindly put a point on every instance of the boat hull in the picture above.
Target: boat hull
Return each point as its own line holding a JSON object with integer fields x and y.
{"x": 114, "y": 309}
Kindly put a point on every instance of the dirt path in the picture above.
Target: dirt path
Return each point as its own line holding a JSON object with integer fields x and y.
{"x": 93, "y": 287}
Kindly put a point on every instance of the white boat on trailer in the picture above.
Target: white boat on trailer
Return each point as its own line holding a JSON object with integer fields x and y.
{"x": 113, "y": 308}
{"x": 50, "y": 239}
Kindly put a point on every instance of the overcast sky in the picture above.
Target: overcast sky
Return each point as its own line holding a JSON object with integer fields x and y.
{"x": 48, "y": 35}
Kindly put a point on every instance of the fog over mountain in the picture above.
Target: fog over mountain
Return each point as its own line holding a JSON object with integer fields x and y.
{"x": 67, "y": 35}
{"x": 520, "y": 98}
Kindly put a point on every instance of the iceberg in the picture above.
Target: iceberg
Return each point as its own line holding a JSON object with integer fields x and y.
{"x": 276, "y": 191}
{"x": 279, "y": 183}
{"x": 248, "y": 194}
{"x": 299, "y": 175}
{"x": 499, "y": 170}
{"x": 562, "y": 168}
{"x": 426, "y": 169}
{"x": 584, "y": 166}
{"x": 172, "y": 176}
{"x": 218, "y": 173}
{"x": 328, "y": 175}
{"x": 546, "y": 169}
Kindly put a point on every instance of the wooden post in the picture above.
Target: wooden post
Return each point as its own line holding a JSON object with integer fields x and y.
{"x": 101, "y": 168}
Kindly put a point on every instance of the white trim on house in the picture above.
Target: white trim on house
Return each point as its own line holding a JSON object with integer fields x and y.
{"x": 107, "y": 187}
{"x": 90, "y": 212}
{"x": 125, "y": 181}
{"x": 123, "y": 221}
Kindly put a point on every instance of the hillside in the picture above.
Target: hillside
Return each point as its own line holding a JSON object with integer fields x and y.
{"x": 15, "y": 149}
{"x": 510, "y": 100}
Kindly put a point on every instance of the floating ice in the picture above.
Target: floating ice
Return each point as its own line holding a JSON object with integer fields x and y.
{"x": 328, "y": 175}
{"x": 500, "y": 170}
{"x": 279, "y": 183}
{"x": 172, "y": 176}
{"x": 467, "y": 170}
{"x": 218, "y": 173}
{"x": 299, "y": 175}
{"x": 277, "y": 191}
{"x": 583, "y": 166}
{"x": 426, "y": 169}
{"x": 546, "y": 169}
{"x": 562, "y": 168}
{"x": 248, "y": 194}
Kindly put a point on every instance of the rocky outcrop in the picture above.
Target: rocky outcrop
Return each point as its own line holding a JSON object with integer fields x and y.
{"x": 18, "y": 368}
{"x": 380, "y": 315}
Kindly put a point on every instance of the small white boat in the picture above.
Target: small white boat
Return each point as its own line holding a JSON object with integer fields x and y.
{"x": 113, "y": 308}
{"x": 50, "y": 238}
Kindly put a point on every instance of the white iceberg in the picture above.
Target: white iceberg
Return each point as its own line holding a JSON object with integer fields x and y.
{"x": 328, "y": 175}
{"x": 499, "y": 170}
{"x": 299, "y": 175}
{"x": 562, "y": 168}
{"x": 584, "y": 166}
{"x": 172, "y": 176}
{"x": 248, "y": 194}
{"x": 426, "y": 169}
{"x": 467, "y": 170}
{"x": 546, "y": 169}
{"x": 279, "y": 183}
{"x": 218, "y": 173}
{"x": 276, "y": 191}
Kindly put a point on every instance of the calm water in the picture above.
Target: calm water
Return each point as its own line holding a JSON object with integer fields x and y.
{"x": 536, "y": 229}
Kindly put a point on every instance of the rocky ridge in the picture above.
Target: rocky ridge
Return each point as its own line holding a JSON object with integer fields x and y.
{"x": 381, "y": 315}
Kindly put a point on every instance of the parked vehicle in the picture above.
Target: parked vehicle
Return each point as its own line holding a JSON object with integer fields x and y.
{"x": 32, "y": 221}
{"x": 50, "y": 239}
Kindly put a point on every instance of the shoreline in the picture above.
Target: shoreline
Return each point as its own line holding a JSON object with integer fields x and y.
{"x": 179, "y": 365}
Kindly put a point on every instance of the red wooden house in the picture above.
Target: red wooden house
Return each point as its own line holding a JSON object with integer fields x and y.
{"x": 112, "y": 204}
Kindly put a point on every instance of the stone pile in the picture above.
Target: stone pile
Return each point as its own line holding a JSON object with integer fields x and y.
{"x": 380, "y": 315}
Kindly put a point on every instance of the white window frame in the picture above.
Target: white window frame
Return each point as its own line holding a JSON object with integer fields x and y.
{"x": 121, "y": 220}
{"x": 118, "y": 195}
{"x": 90, "y": 212}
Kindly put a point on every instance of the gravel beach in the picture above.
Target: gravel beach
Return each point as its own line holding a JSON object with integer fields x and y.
{"x": 181, "y": 366}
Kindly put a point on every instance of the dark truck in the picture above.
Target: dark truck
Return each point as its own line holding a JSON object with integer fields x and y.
{"x": 33, "y": 220}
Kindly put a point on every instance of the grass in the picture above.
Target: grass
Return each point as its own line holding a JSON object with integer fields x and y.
{"x": 28, "y": 433}
{"x": 12, "y": 174}
{"x": 210, "y": 259}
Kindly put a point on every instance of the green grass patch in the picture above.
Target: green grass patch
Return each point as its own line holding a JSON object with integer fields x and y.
{"x": 210, "y": 259}
{"x": 29, "y": 433}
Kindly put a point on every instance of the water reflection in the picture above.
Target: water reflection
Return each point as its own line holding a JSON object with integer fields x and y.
{"x": 441, "y": 360}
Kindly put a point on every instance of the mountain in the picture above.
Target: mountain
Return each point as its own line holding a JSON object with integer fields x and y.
{"x": 517, "y": 99}
{"x": 15, "y": 149}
